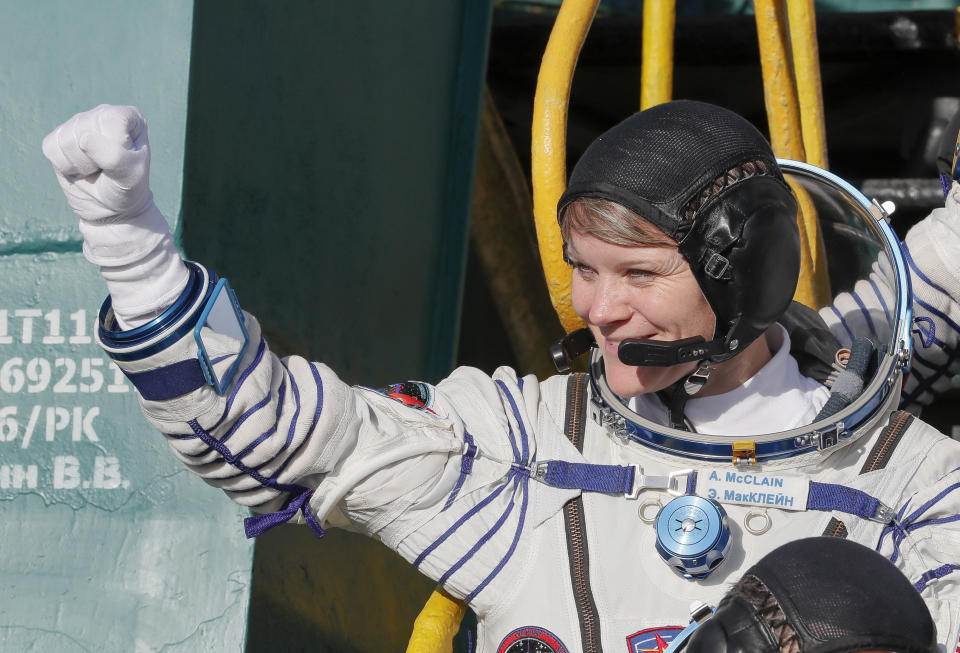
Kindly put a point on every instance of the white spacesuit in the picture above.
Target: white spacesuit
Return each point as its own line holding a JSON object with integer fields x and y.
{"x": 538, "y": 503}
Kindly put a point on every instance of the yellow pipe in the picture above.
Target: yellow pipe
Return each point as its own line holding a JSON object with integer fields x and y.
{"x": 813, "y": 286}
{"x": 437, "y": 624}
{"x": 806, "y": 66}
{"x": 788, "y": 138}
{"x": 549, "y": 146}
{"x": 779, "y": 94}
{"x": 656, "y": 67}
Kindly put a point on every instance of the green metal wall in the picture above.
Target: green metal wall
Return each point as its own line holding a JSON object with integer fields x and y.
{"x": 107, "y": 544}
{"x": 323, "y": 155}
{"x": 328, "y": 174}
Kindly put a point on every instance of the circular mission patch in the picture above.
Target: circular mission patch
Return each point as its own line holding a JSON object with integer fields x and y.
{"x": 531, "y": 639}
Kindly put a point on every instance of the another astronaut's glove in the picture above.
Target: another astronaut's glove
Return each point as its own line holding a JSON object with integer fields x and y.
{"x": 102, "y": 160}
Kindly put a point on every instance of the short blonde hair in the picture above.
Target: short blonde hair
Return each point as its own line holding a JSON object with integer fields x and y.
{"x": 612, "y": 223}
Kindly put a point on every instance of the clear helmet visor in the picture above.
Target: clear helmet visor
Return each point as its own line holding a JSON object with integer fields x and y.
{"x": 863, "y": 293}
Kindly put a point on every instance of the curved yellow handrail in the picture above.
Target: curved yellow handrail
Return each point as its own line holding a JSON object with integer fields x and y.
{"x": 437, "y": 624}
{"x": 779, "y": 94}
{"x": 656, "y": 71}
{"x": 549, "y": 146}
{"x": 806, "y": 68}
{"x": 788, "y": 134}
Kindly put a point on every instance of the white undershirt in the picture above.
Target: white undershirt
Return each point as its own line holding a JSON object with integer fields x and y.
{"x": 777, "y": 398}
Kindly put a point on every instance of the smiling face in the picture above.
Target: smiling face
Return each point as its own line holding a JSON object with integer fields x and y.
{"x": 625, "y": 292}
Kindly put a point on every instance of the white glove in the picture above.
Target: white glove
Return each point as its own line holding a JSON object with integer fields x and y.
{"x": 102, "y": 161}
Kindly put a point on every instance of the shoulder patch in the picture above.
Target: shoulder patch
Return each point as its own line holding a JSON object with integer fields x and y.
{"x": 652, "y": 640}
{"x": 531, "y": 639}
{"x": 415, "y": 394}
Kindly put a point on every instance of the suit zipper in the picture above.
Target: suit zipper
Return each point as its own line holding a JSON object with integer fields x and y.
{"x": 889, "y": 440}
{"x": 576, "y": 529}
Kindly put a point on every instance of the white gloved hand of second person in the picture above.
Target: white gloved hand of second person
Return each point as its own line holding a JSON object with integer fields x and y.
{"x": 102, "y": 161}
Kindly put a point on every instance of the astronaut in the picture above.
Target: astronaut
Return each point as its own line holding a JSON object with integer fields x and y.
{"x": 584, "y": 512}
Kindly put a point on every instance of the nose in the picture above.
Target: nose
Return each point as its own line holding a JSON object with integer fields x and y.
{"x": 608, "y": 305}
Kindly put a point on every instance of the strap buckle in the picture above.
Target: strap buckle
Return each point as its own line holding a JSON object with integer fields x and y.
{"x": 669, "y": 483}
{"x": 883, "y": 514}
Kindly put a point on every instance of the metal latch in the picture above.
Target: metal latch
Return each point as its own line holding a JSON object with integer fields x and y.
{"x": 744, "y": 451}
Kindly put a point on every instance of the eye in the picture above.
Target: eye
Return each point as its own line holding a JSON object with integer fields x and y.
{"x": 582, "y": 269}
{"x": 640, "y": 275}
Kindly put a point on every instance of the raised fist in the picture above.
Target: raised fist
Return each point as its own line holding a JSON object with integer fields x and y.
{"x": 102, "y": 161}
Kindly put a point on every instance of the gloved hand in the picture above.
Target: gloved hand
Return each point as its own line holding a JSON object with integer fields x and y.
{"x": 102, "y": 161}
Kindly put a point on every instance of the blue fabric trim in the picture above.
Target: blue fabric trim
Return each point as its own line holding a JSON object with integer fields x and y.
{"x": 513, "y": 545}
{"x": 933, "y": 367}
{"x": 902, "y": 527}
{"x": 830, "y": 497}
{"x": 929, "y": 504}
{"x": 513, "y": 438}
{"x": 466, "y": 466}
{"x": 237, "y": 424}
{"x": 313, "y": 424}
{"x": 163, "y": 383}
{"x": 927, "y": 338}
{"x": 238, "y": 384}
{"x": 943, "y": 316}
{"x": 316, "y": 416}
{"x": 319, "y": 383}
{"x": 927, "y": 383}
{"x": 609, "y": 479}
{"x": 866, "y": 314}
{"x": 525, "y": 458}
{"x": 892, "y": 529}
{"x": 460, "y": 522}
{"x": 934, "y": 574}
{"x": 916, "y": 270}
{"x": 485, "y": 537}
{"x": 250, "y": 411}
{"x": 260, "y": 524}
{"x": 691, "y": 483}
{"x": 296, "y": 414}
{"x": 518, "y": 477}
{"x": 281, "y": 394}
{"x": 843, "y": 323}
{"x": 879, "y": 296}
{"x": 183, "y": 436}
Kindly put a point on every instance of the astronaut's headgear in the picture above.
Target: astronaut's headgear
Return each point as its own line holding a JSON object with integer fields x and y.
{"x": 709, "y": 180}
{"x": 864, "y": 262}
{"x": 819, "y": 595}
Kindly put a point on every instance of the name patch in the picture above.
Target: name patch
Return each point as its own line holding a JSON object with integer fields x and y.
{"x": 748, "y": 488}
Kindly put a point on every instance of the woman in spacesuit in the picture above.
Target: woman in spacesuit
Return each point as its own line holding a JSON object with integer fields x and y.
{"x": 714, "y": 424}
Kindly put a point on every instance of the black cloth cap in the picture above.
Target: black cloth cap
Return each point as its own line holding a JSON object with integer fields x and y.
{"x": 819, "y": 595}
{"x": 707, "y": 178}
